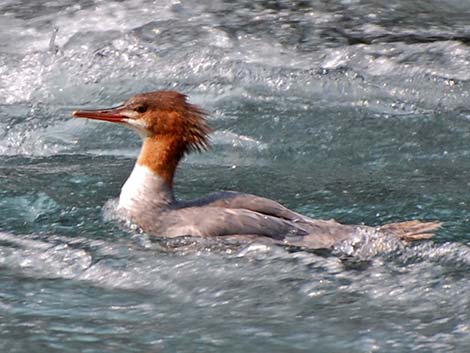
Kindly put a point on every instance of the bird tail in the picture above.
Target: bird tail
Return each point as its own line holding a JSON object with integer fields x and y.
{"x": 411, "y": 230}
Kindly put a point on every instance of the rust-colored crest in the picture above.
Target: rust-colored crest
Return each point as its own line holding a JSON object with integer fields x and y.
{"x": 169, "y": 114}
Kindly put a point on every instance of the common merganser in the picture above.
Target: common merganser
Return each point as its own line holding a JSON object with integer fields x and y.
{"x": 171, "y": 127}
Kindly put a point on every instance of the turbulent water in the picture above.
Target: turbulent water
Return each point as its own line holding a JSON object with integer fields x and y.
{"x": 353, "y": 110}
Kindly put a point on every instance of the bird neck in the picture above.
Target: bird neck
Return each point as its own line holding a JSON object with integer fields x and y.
{"x": 150, "y": 185}
{"x": 161, "y": 155}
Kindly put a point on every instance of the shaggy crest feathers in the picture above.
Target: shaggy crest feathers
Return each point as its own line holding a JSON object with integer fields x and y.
{"x": 196, "y": 130}
{"x": 176, "y": 117}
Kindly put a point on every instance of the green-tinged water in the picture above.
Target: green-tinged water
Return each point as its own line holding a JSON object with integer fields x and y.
{"x": 355, "y": 111}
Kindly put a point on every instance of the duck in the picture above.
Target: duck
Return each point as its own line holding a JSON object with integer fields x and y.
{"x": 170, "y": 128}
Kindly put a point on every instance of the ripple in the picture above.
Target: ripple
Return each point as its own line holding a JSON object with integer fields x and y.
{"x": 352, "y": 110}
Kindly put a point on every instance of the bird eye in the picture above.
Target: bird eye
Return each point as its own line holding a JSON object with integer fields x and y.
{"x": 140, "y": 109}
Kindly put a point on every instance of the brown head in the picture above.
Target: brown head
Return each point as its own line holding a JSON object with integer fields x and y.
{"x": 170, "y": 126}
{"x": 160, "y": 113}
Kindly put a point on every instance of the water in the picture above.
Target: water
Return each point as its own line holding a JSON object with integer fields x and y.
{"x": 353, "y": 110}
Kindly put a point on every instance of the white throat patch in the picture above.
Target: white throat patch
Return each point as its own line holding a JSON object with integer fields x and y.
{"x": 144, "y": 190}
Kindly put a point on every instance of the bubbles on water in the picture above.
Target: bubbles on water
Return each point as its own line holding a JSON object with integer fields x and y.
{"x": 37, "y": 258}
{"x": 278, "y": 76}
{"x": 455, "y": 256}
{"x": 110, "y": 50}
{"x": 367, "y": 244}
{"x": 237, "y": 141}
{"x": 31, "y": 208}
